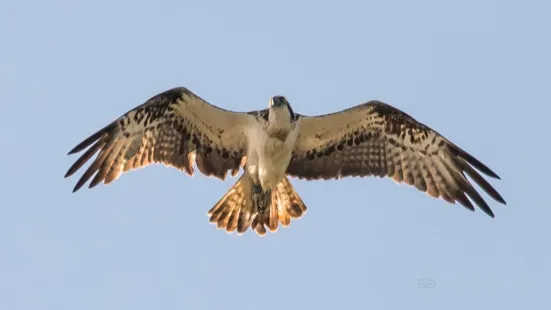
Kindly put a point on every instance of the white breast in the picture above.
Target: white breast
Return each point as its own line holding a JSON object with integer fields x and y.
{"x": 268, "y": 158}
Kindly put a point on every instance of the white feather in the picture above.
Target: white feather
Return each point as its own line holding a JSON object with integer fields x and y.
{"x": 268, "y": 157}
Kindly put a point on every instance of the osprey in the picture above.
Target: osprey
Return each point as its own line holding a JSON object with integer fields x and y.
{"x": 178, "y": 128}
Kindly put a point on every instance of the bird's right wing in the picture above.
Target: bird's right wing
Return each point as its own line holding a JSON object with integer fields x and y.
{"x": 176, "y": 128}
{"x": 376, "y": 139}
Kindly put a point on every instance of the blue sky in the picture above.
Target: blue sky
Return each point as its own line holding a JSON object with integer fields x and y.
{"x": 476, "y": 71}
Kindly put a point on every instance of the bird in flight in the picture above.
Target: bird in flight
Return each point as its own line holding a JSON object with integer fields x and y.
{"x": 177, "y": 128}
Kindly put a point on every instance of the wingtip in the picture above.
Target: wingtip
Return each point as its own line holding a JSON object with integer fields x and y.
{"x": 493, "y": 175}
{"x": 474, "y": 161}
{"x": 79, "y": 184}
{"x": 486, "y": 170}
{"x": 92, "y": 138}
{"x": 499, "y": 198}
{"x": 81, "y": 146}
{"x": 487, "y": 211}
{"x": 71, "y": 171}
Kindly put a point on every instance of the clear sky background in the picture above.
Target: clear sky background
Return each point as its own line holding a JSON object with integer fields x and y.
{"x": 479, "y": 72}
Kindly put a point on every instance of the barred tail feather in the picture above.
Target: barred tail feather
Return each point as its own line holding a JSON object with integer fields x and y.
{"x": 289, "y": 203}
{"x": 237, "y": 209}
{"x": 286, "y": 205}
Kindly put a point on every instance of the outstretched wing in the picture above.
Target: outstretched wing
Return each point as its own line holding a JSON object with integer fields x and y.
{"x": 376, "y": 139}
{"x": 176, "y": 128}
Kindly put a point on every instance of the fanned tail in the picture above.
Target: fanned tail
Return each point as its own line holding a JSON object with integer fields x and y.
{"x": 237, "y": 210}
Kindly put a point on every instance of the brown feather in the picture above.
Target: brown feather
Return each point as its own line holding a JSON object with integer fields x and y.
{"x": 176, "y": 128}
{"x": 236, "y": 210}
{"x": 85, "y": 157}
{"x": 376, "y": 139}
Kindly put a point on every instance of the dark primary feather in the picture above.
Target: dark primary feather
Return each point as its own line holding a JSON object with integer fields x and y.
{"x": 376, "y": 139}
{"x": 176, "y": 128}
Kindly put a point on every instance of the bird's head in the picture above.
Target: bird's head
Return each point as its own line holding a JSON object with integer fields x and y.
{"x": 280, "y": 108}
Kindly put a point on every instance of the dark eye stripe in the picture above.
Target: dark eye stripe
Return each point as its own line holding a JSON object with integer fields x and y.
{"x": 291, "y": 111}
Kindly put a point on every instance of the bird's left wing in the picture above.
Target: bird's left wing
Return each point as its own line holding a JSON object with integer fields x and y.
{"x": 376, "y": 139}
{"x": 176, "y": 128}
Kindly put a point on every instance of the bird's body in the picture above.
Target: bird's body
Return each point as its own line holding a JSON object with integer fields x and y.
{"x": 180, "y": 129}
{"x": 270, "y": 145}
